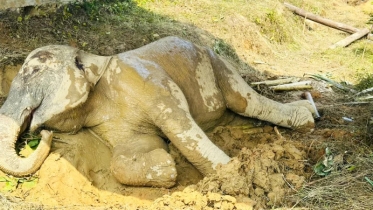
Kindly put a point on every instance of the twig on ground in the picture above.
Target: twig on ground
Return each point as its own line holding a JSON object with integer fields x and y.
{"x": 286, "y": 181}
{"x": 309, "y": 148}
{"x": 278, "y": 133}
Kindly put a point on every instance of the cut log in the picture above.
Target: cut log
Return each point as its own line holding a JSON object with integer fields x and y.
{"x": 324, "y": 21}
{"x": 350, "y": 39}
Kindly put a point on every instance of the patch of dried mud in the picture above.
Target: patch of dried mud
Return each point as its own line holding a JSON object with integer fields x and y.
{"x": 259, "y": 175}
{"x": 76, "y": 175}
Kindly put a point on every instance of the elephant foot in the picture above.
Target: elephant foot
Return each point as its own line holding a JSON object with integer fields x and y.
{"x": 304, "y": 103}
{"x": 155, "y": 168}
{"x": 302, "y": 118}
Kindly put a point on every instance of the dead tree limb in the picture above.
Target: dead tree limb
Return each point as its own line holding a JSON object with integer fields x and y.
{"x": 324, "y": 21}
{"x": 348, "y": 40}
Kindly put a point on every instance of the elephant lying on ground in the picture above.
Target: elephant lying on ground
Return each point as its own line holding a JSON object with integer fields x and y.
{"x": 168, "y": 89}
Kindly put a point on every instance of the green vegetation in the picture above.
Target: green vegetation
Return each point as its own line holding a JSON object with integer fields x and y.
{"x": 273, "y": 26}
{"x": 364, "y": 75}
{"x": 9, "y": 183}
{"x": 27, "y": 144}
{"x": 220, "y": 47}
{"x": 365, "y": 81}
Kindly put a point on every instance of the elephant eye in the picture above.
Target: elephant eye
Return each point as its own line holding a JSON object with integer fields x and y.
{"x": 78, "y": 64}
{"x": 36, "y": 69}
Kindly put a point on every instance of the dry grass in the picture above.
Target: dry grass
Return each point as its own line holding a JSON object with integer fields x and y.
{"x": 266, "y": 31}
{"x": 345, "y": 188}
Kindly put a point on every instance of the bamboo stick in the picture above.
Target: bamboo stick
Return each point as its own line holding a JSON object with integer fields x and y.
{"x": 277, "y": 81}
{"x": 293, "y": 86}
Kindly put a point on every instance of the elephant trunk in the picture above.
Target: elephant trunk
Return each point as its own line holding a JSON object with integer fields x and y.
{"x": 10, "y": 162}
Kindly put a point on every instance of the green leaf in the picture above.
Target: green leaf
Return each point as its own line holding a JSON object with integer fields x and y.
{"x": 324, "y": 167}
{"x": 33, "y": 143}
{"x": 28, "y": 184}
{"x": 320, "y": 169}
{"x": 351, "y": 168}
{"x": 10, "y": 184}
{"x": 369, "y": 181}
{"x": 26, "y": 151}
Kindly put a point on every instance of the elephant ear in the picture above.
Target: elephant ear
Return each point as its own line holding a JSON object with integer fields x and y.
{"x": 94, "y": 66}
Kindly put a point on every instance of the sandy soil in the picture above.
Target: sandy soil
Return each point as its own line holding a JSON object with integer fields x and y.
{"x": 76, "y": 174}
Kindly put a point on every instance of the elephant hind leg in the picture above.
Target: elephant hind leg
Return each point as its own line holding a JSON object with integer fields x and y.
{"x": 242, "y": 99}
{"x": 144, "y": 162}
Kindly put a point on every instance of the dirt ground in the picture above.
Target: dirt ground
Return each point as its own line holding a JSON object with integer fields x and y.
{"x": 272, "y": 167}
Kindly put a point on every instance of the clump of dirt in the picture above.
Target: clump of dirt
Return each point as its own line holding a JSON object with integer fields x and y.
{"x": 262, "y": 174}
{"x": 193, "y": 199}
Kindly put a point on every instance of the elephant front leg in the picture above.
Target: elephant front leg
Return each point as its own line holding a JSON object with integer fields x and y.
{"x": 176, "y": 122}
{"x": 144, "y": 162}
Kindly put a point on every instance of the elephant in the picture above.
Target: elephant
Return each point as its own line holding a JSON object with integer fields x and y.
{"x": 169, "y": 89}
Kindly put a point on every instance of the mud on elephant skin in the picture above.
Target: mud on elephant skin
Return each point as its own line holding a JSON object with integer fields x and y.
{"x": 170, "y": 89}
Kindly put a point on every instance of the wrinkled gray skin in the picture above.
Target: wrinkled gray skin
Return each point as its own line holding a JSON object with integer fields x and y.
{"x": 168, "y": 89}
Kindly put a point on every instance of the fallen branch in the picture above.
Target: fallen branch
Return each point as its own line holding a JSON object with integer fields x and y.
{"x": 293, "y": 86}
{"x": 277, "y": 81}
{"x": 350, "y": 39}
{"x": 324, "y": 21}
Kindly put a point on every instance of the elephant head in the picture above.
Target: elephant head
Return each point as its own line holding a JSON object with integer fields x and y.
{"x": 52, "y": 80}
